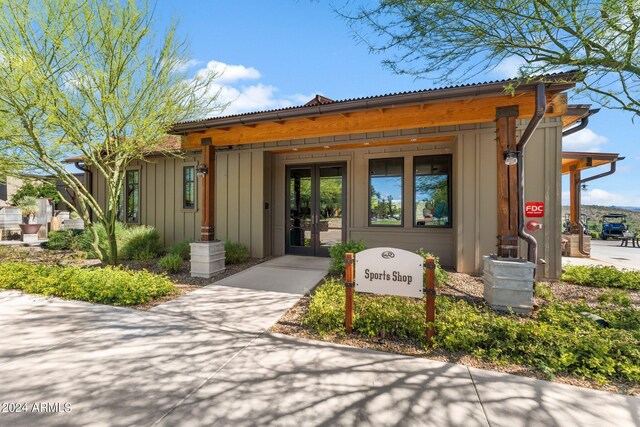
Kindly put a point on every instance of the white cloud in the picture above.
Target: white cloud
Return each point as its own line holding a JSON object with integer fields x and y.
{"x": 187, "y": 65}
{"x": 229, "y": 73}
{"x": 231, "y": 87}
{"x": 584, "y": 140}
{"x": 600, "y": 197}
{"x": 509, "y": 67}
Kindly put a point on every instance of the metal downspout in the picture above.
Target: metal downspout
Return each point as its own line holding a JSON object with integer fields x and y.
{"x": 578, "y": 185}
{"x": 583, "y": 123}
{"x": 541, "y": 106}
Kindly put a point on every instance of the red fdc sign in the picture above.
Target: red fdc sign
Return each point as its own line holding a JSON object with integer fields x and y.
{"x": 534, "y": 209}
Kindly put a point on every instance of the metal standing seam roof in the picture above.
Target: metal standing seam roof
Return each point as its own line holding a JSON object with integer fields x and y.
{"x": 562, "y": 81}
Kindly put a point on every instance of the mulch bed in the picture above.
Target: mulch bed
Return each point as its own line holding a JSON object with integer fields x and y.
{"x": 470, "y": 288}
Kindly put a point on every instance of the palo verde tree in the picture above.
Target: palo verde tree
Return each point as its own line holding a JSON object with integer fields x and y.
{"x": 91, "y": 79}
{"x": 451, "y": 40}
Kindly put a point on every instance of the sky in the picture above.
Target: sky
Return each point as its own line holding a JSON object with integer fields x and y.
{"x": 281, "y": 53}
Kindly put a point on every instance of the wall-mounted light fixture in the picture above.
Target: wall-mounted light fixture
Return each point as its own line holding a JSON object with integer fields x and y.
{"x": 510, "y": 158}
{"x": 202, "y": 170}
{"x": 584, "y": 187}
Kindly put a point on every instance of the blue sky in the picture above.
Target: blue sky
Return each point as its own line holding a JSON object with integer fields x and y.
{"x": 281, "y": 53}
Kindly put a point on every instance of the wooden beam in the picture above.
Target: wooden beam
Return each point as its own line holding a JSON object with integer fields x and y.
{"x": 367, "y": 144}
{"x": 461, "y": 111}
{"x": 581, "y": 164}
{"x": 507, "y": 181}
{"x": 207, "y": 230}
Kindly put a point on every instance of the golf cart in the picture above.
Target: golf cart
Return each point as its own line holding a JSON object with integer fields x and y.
{"x": 613, "y": 225}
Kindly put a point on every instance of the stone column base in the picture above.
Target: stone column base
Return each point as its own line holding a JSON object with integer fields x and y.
{"x": 508, "y": 285}
{"x": 207, "y": 258}
{"x": 30, "y": 238}
{"x": 572, "y": 249}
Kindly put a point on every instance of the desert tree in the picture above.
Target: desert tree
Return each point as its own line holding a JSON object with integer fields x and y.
{"x": 454, "y": 40}
{"x": 91, "y": 79}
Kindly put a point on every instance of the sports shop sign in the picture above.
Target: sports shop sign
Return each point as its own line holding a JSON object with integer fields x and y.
{"x": 390, "y": 271}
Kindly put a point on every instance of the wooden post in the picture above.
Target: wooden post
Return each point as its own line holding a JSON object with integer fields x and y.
{"x": 207, "y": 231}
{"x": 349, "y": 283}
{"x": 507, "y": 179}
{"x": 430, "y": 300}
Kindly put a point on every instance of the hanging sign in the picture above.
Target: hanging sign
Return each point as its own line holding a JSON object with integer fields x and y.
{"x": 534, "y": 209}
{"x": 390, "y": 271}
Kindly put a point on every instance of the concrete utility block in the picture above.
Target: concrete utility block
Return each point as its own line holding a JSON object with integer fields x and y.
{"x": 30, "y": 238}
{"x": 508, "y": 285}
{"x": 207, "y": 258}
{"x": 573, "y": 245}
{"x": 73, "y": 224}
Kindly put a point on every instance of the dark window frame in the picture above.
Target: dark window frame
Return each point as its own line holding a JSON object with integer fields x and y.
{"x": 449, "y": 192}
{"x": 125, "y": 198}
{"x": 402, "y": 206}
{"x": 184, "y": 187}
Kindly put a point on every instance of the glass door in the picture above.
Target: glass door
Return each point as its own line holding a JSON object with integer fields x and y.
{"x": 315, "y": 208}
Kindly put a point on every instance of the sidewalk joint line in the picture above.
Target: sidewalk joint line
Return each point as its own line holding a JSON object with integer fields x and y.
{"x": 206, "y": 380}
{"x": 484, "y": 411}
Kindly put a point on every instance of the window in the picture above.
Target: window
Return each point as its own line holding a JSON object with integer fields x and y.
{"x": 189, "y": 187}
{"x": 132, "y": 196}
{"x": 432, "y": 191}
{"x": 385, "y": 192}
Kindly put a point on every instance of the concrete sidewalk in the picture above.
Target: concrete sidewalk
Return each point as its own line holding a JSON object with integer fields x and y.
{"x": 204, "y": 359}
{"x": 609, "y": 253}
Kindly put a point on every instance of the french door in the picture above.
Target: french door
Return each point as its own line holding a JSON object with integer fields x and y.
{"x": 316, "y": 214}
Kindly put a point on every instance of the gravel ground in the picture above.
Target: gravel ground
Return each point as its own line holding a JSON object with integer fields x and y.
{"x": 470, "y": 288}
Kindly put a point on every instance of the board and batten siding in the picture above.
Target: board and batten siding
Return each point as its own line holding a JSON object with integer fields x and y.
{"x": 243, "y": 199}
{"x": 161, "y": 187}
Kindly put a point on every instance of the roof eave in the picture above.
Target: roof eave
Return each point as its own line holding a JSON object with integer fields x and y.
{"x": 558, "y": 82}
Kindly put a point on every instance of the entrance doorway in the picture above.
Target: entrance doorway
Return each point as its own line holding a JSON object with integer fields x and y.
{"x": 316, "y": 214}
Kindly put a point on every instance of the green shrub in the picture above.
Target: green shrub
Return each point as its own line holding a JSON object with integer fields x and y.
{"x": 41, "y": 190}
{"x": 109, "y": 285}
{"x": 339, "y": 251}
{"x": 65, "y": 240}
{"x": 59, "y": 240}
{"x": 182, "y": 249}
{"x": 594, "y": 235}
{"x": 558, "y": 341}
{"x": 615, "y": 296}
{"x": 171, "y": 262}
{"x": 543, "y": 291}
{"x": 441, "y": 274}
{"x": 235, "y": 253}
{"x": 139, "y": 242}
{"x": 602, "y": 276}
{"x": 86, "y": 240}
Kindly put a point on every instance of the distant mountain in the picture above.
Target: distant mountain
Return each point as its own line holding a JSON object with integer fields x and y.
{"x": 628, "y": 208}
{"x": 594, "y": 215}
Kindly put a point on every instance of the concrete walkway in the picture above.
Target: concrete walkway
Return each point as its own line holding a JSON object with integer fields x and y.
{"x": 204, "y": 359}
{"x": 609, "y": 253}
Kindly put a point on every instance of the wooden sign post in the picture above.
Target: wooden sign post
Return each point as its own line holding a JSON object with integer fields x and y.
{"x": 390, "y": 271}
{"x": 430, "y": 300}
{"x": 350, "y": 285}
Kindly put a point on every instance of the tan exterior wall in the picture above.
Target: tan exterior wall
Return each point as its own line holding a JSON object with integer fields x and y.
{"x": 161, "y": 197}
{"x": 250, "y": 193}
{"x": 241, "y": 194}
{"x": 474, "y": 199}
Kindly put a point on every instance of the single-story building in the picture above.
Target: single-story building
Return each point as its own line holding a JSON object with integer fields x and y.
{"x": 424, "y": 169}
